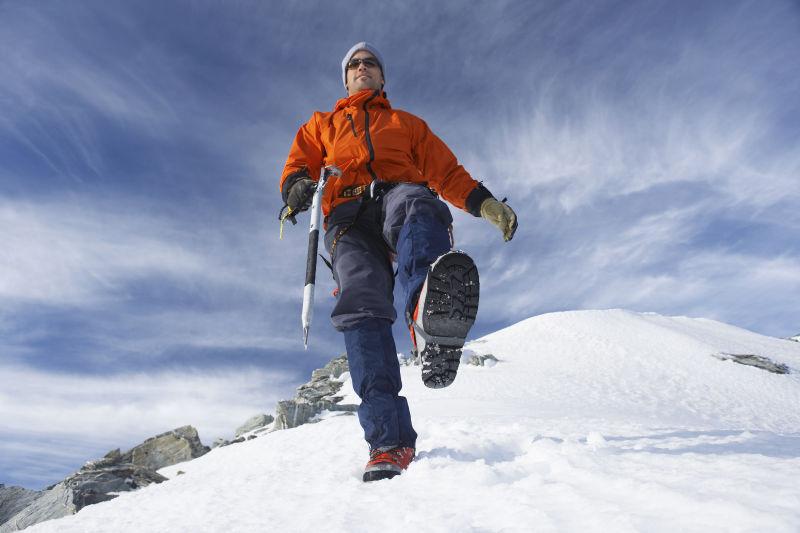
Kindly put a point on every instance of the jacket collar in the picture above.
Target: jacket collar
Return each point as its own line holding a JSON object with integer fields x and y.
{"x": 357, "y": 100}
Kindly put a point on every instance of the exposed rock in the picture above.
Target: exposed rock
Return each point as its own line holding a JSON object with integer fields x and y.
{"x": 220, "y": 442}
{"x": 90, "y": 485}
{"x": 100, "y": 480}
{"x": 14, "y": 500}
{"x": 334, "y": 369}
{"x": 253, "y": 423}
{"x": 293, "y": 413}
{"x": 482, "y": 360}
{"x": 796, "y": 338}
{"x": 313, "y": 397}
{"x": 314, "y": 391}
{"x": 55, "y": 502}
{"x": 114, "y": 457}
{"x": 757, "y": 361}
{"x": 176, "y": 446}
{"x": 93, "y": 485}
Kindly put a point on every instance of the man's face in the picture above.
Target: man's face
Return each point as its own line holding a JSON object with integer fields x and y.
{"x": 363, "y": 77}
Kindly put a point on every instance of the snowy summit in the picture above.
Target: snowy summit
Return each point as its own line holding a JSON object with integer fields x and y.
{"x": 588, "y": 421}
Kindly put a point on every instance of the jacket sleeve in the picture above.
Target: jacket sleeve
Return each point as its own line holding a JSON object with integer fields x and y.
{"x": 443, "y": 172}
{"x": 305, "y": 156}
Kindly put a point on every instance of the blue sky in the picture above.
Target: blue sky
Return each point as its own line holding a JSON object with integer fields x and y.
{"x": 649, "y": 148}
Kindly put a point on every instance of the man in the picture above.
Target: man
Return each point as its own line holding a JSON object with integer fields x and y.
{"x": 384, "y": 209}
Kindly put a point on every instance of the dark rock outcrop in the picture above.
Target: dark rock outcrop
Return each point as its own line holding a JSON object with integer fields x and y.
{"x": 100, "y": 480}
{"x": 220, "y": 442}
{"x": 14, "y": 500}
{"x": 166, "y": 449}
{"x": 313, "y": 397}
{"x": 482, "y": 360}
{"x": 758, "y": 361}
{"x": 254, "y": 423}
{"x": 91, "y": 484}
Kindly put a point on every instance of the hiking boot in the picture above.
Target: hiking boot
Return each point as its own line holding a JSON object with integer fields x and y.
{"x": 385, "y": 463}
{"x": 445, "y": 312}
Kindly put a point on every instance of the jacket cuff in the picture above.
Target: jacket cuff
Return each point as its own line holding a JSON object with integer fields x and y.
{"x": 476, "y": 198}
{"x": 291, "y": 179}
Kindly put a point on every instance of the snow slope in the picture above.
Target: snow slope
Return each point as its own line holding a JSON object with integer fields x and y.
{"x": 591, "y": 421}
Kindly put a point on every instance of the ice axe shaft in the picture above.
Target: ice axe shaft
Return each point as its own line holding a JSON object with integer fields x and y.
{"x": 313, "y": 243}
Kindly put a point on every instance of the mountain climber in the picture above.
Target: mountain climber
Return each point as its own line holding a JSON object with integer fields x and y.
{"x": 385, "y": 209}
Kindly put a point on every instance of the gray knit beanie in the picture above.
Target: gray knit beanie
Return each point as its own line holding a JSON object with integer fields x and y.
{"x": 363, "y": 45}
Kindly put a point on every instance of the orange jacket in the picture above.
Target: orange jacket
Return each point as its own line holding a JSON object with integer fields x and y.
{"x": 369, "y": 140}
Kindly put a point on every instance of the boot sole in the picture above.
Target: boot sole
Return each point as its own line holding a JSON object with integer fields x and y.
{"x": 377, "y": 475}
{"x": 448, "y": 313}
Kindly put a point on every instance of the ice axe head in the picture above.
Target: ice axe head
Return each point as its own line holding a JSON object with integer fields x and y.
{"x": 333, "y": 170}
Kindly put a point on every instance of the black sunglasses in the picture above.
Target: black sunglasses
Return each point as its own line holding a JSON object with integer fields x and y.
{"x": 366, "y": 61}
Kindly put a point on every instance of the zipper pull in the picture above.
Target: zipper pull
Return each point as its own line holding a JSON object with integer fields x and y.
{"x": 352, "y": 124}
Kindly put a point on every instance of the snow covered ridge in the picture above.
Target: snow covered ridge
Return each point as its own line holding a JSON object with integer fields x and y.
{"x": 586, "y": 421}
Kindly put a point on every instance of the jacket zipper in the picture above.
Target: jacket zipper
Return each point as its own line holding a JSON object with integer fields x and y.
{"x": 352, "y": 124}
{"x": 369, "y": 140}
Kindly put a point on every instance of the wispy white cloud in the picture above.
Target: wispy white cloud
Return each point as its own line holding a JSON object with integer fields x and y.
{"x": 73, "y": 78}
{"x": 75, "y": 253}
{"x": 650, "y": 264}
{"x": 152, "y": 337}
{"x": 93, "y": 259}
{"x": 135, "y": 404}
{"x": 78, "y": 255}
{"x": 606, "y": 147}
{"x": 607, "y": 109}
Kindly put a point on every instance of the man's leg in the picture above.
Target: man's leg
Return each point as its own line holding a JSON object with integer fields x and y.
{"x": 416, "y": 227}
{"x": 441, "y": 286}
{"x": 375, "y": 372}
{"x": 364, "y": 312}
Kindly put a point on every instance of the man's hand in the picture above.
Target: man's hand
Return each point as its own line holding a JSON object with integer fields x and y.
{"x": 300, "y": 195}
{"x": 501, "y": 215}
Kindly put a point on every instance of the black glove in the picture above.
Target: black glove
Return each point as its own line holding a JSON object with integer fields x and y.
{"x": 300, "y": 194}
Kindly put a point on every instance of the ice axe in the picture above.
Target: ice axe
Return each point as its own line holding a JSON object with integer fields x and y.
{"x": 313, "y": 243}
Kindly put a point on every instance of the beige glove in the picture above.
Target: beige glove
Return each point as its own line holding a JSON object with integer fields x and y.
{"x": 501, "y": 215}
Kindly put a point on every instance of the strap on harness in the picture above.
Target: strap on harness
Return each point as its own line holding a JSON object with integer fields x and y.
{"x": 374, "y": 192}
{"x": 290, "y": 215}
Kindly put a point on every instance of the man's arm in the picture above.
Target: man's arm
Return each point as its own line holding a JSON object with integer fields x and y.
{"x": 439, "y": 165}
{"x": 444, "y": 174}
{"x": 305, "y": 157}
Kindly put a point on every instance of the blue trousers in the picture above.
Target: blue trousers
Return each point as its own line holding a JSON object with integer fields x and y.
{"x": 409, "y": 224}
